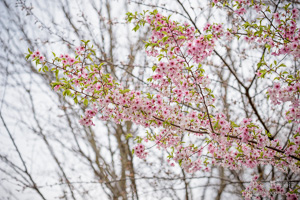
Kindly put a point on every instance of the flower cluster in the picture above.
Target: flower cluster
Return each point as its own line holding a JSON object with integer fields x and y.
{"x": 257, "y": 190}
{"x": 88, "y": 116}
{"x": 281, "y": 37}
{"x": 79, "y": 50}
{"x": 67, "y": 60}
{"x": 139, "y": 151}
{"x": 37, "y": 55}
{"x": 290, "y": 93}
{"x": 255, "y": 186}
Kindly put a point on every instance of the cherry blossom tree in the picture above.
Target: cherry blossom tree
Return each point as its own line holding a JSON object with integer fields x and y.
{"x": 180, "y": 112}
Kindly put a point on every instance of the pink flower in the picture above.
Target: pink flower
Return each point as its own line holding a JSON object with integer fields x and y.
{"x": 276, "y": 15}
{"x": 37, "y": 53}
{"x": 276, "y": 86}
{"x": 257, "y": 8}
{"x": 161, "y": 64}
{"x": 240, "y": 11}
{"x": 57, "y": 87}
{"x": 33, "y": 56}
{"x": 71, "y": 60}
{"x": 295, "y": 11}
{"x": 42, "y": 58}
{"x": 258, "y": 73}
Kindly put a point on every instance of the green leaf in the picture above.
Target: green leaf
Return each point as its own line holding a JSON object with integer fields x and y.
{"x": 149, "y": 96}
{"x": 164, "y": 39}
{"x": 287, "y": 6}
{"x": 136, "y": 28}
{"x": 27, "y": 57}
{"x": 124, "y": 91}
{"x": 56, "y": 73}
{"x": 75, "y": 100}
{"x": 154, "y": 68}
{"x": 180, "y": 162}
{"x": 129, "y": 135}
{"x": 64, "y": 93}
{"x": 85, "y": 102}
